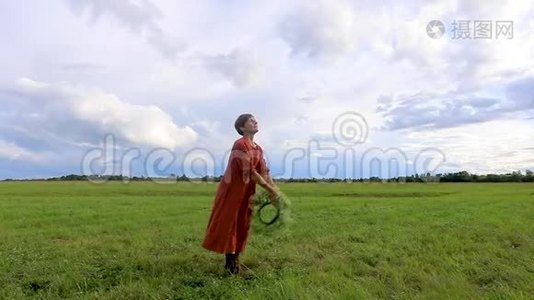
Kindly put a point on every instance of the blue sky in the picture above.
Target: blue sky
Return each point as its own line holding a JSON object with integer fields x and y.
{"x": 339, "y": 88}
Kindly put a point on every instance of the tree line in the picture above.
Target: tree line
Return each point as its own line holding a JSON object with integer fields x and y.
{"x": 463, "y": 176}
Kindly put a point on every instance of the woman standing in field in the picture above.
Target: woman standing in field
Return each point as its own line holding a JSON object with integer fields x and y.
{"x": 229, "y": 223}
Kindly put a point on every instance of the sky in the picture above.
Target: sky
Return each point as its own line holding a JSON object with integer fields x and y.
{"x": 343, "y": 89}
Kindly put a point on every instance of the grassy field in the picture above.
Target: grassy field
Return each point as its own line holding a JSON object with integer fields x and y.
{"x": 348, "y": 241}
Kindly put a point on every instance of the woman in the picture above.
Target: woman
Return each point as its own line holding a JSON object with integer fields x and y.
{"x": 229, "y": 222}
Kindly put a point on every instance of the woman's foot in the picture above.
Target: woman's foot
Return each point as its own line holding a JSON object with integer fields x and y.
{"x": 232, "y": 263}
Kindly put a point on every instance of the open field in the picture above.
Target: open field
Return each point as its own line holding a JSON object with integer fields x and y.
{"x": 142, "y": 240}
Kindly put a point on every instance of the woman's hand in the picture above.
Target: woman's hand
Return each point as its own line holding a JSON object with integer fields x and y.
{"x": 274, "y": 195}
{"x": 271, "y": 189}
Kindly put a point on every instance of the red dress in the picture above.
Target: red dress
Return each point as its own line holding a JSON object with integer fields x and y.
{"x": 229, "y": 223}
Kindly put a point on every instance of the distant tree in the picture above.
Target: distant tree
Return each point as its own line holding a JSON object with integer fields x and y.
{"x": 375, "y": 179}
{"x": 464, "y": 176}
{"x": 516, "y": 176}
{"x": 183, "y": 178}
{"x": 529, "y": 176}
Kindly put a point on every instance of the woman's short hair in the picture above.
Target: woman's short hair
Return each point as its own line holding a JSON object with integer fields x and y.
{"x": 240, "y": 122}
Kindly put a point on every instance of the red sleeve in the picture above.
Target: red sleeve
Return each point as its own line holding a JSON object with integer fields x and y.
{"x": 261, "y": 167}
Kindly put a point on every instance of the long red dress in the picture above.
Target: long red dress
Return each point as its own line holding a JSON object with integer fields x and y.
{"x": 229, "y": 223}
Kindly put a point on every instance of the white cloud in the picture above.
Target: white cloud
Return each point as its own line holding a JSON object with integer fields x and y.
{"x": 209, "y": 127}
{"x": 490, "y": 147}
{"x": 241, "y": 68}
{"x": 320, "y": 28}
{"x": 94, "y": 112}
{"x": 138, "y": 16}
{"x": 422, "y": 111}
{"x": 12, "y": 151}
{"x": 296, "y": 65}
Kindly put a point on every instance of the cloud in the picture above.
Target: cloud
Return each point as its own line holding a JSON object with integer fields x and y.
{"x": 81, "y": 67}
{"x": 319, "y": 28}
{"x": 520, "y": 94}
{"x": 295, "y": 65}
{"x": 206, "y": 128}
{"x": 239, "y": 67}
{"x": 496, "y": 146}
{"x": 12, "y": 151}
{"x": 136, "y": 15}
{"x": 168, "y": 46}
{"x": 139, "y": 17}
{"x": 452, "y": 109}
{"x": 76, "y": 114}
{"x": 308, "y": 99}
{"x": 428, "y": 111}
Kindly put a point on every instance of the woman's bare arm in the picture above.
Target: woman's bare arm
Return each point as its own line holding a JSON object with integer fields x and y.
{"x": 267, "y": 177}
{"x": 269, "y": 186}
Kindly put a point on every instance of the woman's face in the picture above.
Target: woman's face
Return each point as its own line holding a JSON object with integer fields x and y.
{"x": 250, "y": 126}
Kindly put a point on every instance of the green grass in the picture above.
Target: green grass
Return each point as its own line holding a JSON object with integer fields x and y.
{"x": 351, "y": 241}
